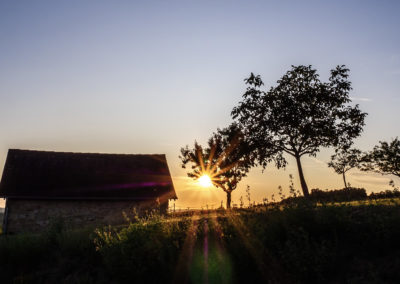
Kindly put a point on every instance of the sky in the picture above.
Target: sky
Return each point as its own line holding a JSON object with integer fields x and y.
{"x": 153, "y": 76}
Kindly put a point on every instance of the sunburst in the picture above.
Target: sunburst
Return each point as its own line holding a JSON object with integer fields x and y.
{"x": 210, "y": 173}
{"x": 205, "y": 181}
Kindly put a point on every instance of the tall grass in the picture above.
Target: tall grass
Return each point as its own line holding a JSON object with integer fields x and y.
{"x": 298, "y": 242}
{"x": 146, "y": 250}
{"x": 309, "y": 243}
{"x": 52, "y": 256}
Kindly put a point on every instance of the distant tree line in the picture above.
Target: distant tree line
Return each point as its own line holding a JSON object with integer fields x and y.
{"x": 344, "y": 195}
{"x": 297, "y": 117}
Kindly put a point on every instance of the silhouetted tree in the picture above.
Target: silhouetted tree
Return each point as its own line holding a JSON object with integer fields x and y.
{"x": 298, "y": 116}
{"x": 344, "y": 160}
{"x": 383, "y": 159}
{"x": 226, "y": 159}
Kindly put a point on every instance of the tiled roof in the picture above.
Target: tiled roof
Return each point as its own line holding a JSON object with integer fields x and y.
{"x": 60, "y": 175}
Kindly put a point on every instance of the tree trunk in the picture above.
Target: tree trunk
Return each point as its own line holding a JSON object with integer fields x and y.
{"x": 301, "y": 175}
{"x": 344, "y": 179}
{"x": 228, "y": 199}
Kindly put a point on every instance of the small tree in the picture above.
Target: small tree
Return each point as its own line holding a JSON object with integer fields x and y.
{"x": 344, "y": 160}
{"x": 383, "y": 159}
{"x": 226, "y": 159}
{"x": 298, "y": 116}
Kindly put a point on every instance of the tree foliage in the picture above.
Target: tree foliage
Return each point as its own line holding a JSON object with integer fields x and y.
{"x": 226, "y": 159}
{"x": 383, "y": 159}
{"x": 298, "y": 116}
{"x": 344, "y": 160}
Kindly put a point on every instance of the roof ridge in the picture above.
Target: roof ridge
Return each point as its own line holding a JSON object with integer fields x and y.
{"x": 89, "y": 153}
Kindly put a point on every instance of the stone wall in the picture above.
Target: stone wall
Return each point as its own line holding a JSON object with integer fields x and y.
{"x": 37, "y": 215}
{"x": 1, "y": 217}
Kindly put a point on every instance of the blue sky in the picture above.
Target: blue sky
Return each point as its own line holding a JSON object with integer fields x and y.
{"x": 131, "y": 77}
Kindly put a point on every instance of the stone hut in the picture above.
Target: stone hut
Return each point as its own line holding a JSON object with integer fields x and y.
{"x": 81, "y": 188}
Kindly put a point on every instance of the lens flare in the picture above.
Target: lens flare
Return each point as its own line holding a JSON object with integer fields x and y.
{"x": 205, "y": 181}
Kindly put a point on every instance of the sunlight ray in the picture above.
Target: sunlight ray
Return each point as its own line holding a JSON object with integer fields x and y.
{"x": 186, "y": 255}
{"x": 226, "y": 152}
{"x": 210, "y": 157}
{"x": 253, "y": 245}
{"x": 200, "y": 157}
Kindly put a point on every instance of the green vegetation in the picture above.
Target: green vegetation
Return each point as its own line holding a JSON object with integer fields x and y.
{"x": 145, "y": 251}
{"x": 294, "y": 242}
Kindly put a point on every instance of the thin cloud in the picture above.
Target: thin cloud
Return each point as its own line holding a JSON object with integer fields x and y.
{"x": 370, "y": 178}
{"x": 395, "y": 72}
{"x": 315, "y": 160}
{"x": 358, "y": 99}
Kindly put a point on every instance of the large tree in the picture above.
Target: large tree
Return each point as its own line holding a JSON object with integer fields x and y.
{"x": 226, "y": 159}
{"x": 383, "y": 159}
{"x": 299, "y": 116}
{"x": 344, "y": 160}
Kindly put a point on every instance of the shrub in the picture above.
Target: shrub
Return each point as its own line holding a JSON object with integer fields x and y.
{"x": 144, "y": 251}
{"x": 338, "y": 195}
{"x": 315, "y": 244}
{"x": 385, "y": 194}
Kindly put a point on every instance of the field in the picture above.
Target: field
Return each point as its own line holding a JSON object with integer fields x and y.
{"x": 297, "y": 243}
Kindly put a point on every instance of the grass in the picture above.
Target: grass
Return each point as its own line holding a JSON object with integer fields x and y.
{"x": 353, "y": 242}
{"x": 382, "y": 201}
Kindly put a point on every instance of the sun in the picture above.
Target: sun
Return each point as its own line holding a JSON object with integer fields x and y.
{"x": 205, "y": 181}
